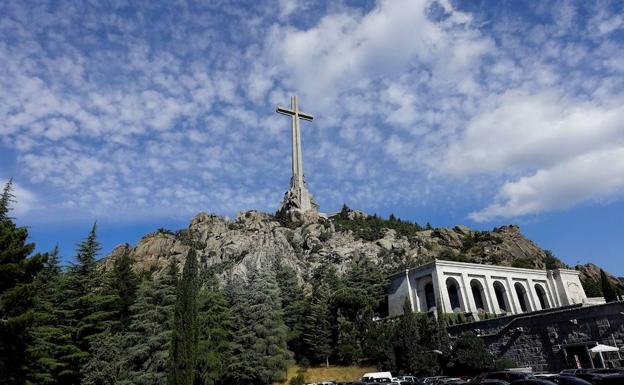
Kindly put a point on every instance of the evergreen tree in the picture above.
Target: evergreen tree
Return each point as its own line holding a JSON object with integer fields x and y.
{"x": 239, "y": 371}
{"x": 148, "y": 340}
{"x": 410, "y": 356}
{"x": 318, "y": 333}
{"x": 293, "y": 307}
{"x": 183, "y": 356}
{"x": 348, "y": 348}
{"x": 88, "y": 312}
{"x": 270, "y": 354}
{"x": 260, "y": 354}
{"x": 215, "y": 334}
{"x": 470, "y": 355}
{"x": 608, "y": 290}
{"x": 107, "y": 364}
{"x": 125, "y": 284}
{"x": 50, "y": 340}
{"x": 17, "y": 292}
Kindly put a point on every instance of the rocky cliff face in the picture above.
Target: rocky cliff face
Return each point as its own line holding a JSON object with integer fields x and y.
{"x": 229, "y": 247}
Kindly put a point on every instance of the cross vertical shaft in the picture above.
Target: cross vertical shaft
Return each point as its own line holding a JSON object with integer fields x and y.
{"x": 298, "y": 196}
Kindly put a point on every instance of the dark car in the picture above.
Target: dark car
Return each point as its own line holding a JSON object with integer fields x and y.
{"x": 493, "y": 381}
{"x": 614, "y": 379}
{"x": 592, "y": 375}
{"x": 533, "y": 381}
{"x": 507, "y": 376}
{"x": 567, "y": 380}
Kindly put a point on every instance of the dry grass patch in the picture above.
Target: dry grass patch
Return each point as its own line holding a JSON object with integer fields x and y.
{"x": 331, "y": 373}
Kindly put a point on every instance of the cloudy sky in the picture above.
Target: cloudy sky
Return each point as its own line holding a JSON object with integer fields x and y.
{"x": 141, "y": 114}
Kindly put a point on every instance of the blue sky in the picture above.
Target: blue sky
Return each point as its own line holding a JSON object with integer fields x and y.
{"x": 141, "y": 114}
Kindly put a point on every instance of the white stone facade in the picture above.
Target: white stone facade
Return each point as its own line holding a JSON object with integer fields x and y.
{"x": 475, "y": 288}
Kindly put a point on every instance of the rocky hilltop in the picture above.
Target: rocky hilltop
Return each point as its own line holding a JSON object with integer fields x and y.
{"x": 228, "y": 246}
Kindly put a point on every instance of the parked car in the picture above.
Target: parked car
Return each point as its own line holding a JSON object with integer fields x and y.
{"x": 614, "y": 379}
{"x": 564, "y": 380}
{"x": 592, "y": 375}
{"x": 533, "y": 381}
{"x": 507, "y": 375}
{"x": 493, "y": 381}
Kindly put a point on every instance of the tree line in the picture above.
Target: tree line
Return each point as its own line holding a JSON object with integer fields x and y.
{"x": 84, "y": 324}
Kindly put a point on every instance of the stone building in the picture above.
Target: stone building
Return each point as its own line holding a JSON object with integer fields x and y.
{"x": 477, "y": 289}
{"x": 554, "y": 339}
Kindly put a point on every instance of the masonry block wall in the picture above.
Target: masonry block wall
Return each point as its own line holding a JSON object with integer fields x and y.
{"x": 551, "y": 340}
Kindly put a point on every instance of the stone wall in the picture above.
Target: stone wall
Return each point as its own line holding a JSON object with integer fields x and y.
{"x": 548, "y": 340}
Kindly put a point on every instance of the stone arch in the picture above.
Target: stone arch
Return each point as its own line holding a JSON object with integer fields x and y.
{"x": 430, "y": 300}
{"x": 541, "y": 296}
{"x": 454, "y": 293}
{"x": 478, "y": 293}
{"x": 501, "y": 297}
{"x": 523, "y": 298}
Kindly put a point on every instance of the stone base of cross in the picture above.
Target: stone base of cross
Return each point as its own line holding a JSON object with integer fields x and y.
{"x": 298, "y": 198}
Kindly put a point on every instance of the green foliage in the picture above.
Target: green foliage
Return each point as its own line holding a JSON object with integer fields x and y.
{"x": 299, "y": 379}
{"x": 525, "y": 263}
{"x": 469, "y": 355}
{"x": 260, "y": 354}
{"x": 183, "y": 355}
{"x": 107, "y": 364}
{"x": 372, "y": 228}
{"x": 592, "y": 287}
{"x": 348, "y": 348}
{"x": 216, "y": 329}
{"x": 50, "y": 340}
{"x": 148, "y": 339}
{"x": 505, "y": 363}
{"x": 124, "y": 284}
{"x": 319, "y": 320}
{"x": 88, "y": 311}
{"x": 608, "y": 290}
{"x": 550, "y": 261}
{"x": 17, "y": 293}
{"x": 294, "y": 307}
{"x": 408, "y": 351}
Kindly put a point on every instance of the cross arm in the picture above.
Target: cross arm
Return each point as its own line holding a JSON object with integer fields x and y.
{"x": 289, "y": 112}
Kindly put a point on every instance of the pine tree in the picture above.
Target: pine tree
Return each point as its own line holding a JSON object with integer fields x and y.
{"x": 348, "y": 348}
{"x": 269, "y": 356}
{"x": 148, "y": 340}
{"x": 17, "y": 292}
{"x": 107, "y": 364}
{"x": 183, "y": 356}
{"x": 125, "y": 284}
{"x": 239, "y": 370}
{"x": 470, "y": 355}
{"x": 409, "y": 353}
{"x": 50, "y": 341}
{"x": 215, "y": 334}
{"x": 293, "y": 307}
{"x": 88, "y": 310}
{"x": 608, "y": 290}
{"x": 318, "y": 333}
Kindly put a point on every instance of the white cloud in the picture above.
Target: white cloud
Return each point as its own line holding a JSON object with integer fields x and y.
{"x": 521, "y": 130}
{"x": 597, "y": 175}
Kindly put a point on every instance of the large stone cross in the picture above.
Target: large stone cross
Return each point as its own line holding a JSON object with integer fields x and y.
{"x": 298, "y": 196}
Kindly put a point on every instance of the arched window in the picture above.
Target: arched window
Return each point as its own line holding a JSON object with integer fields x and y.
{"x": 541, "y": 296}
{"x": 430, "y": 296}
{"x": 454, "y": 295}
{"x": 478, "y": 295}
{"x": 501, "y": 296}
{"x": 522, "y": 297}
